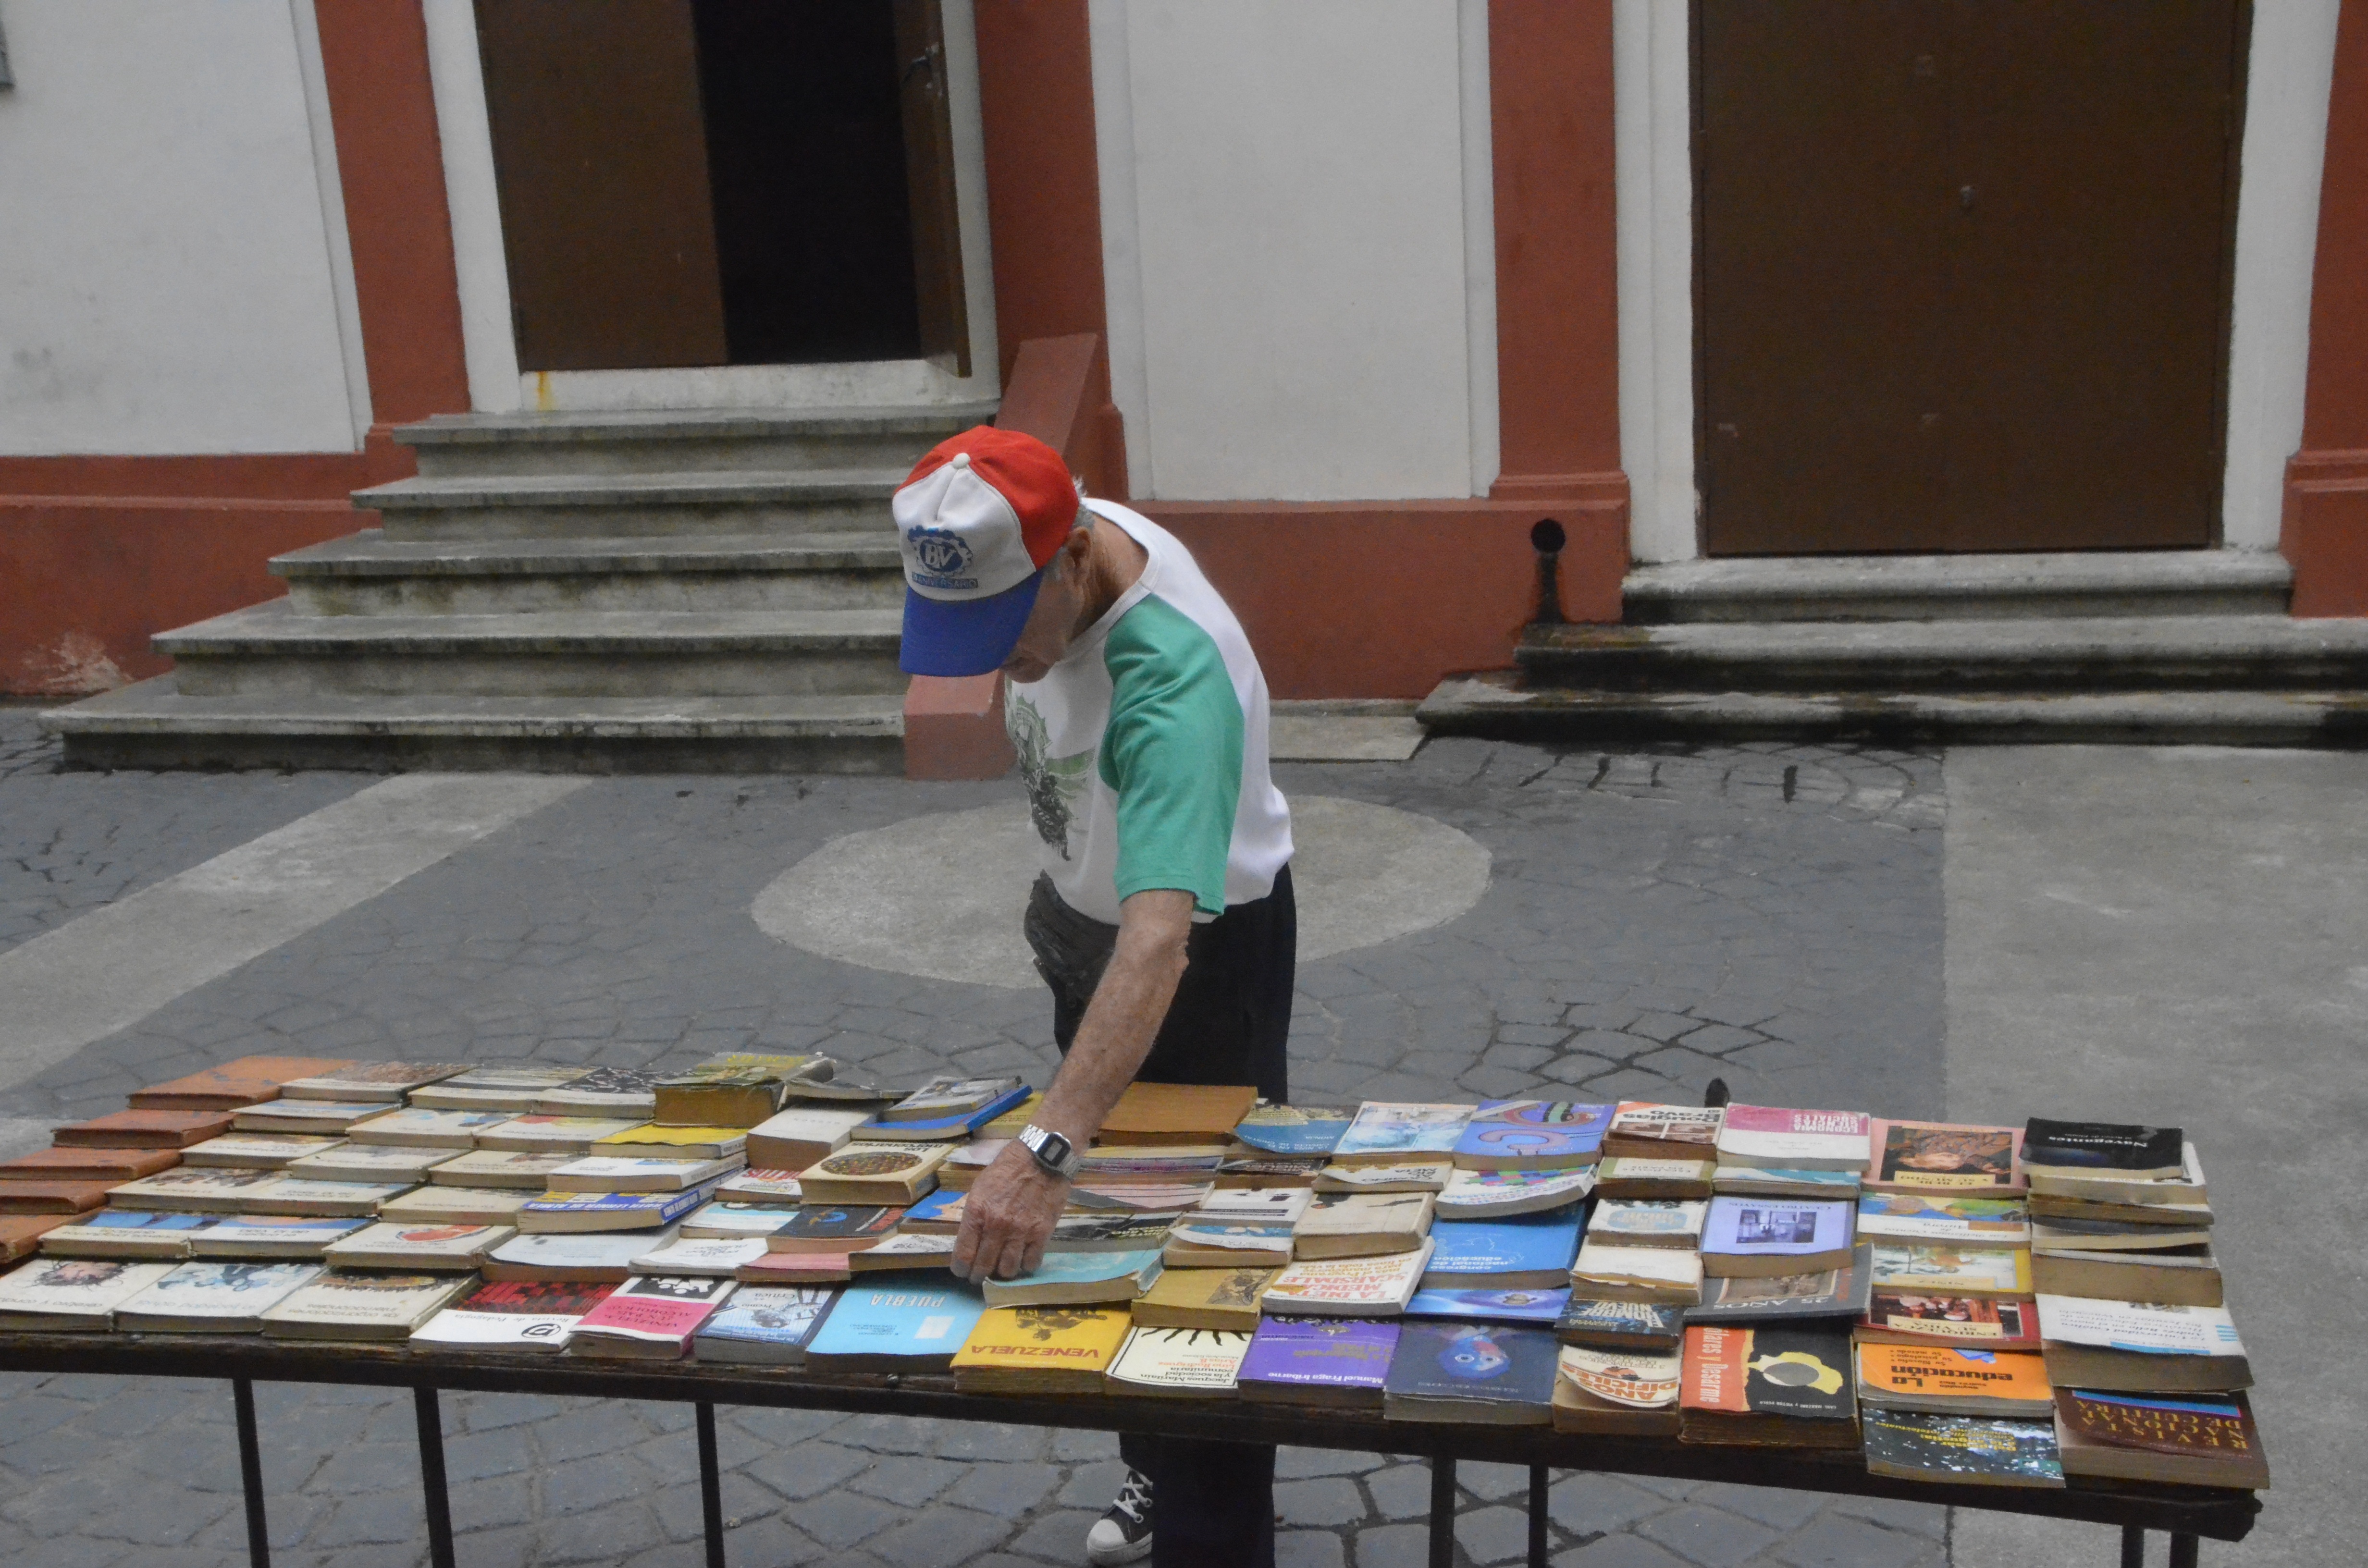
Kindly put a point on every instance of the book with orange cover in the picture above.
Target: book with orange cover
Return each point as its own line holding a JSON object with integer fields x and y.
{"x": 63, "y": 1197}
{"x": 1177, "y": 1113}
{"x": 145, "y": 1129}
{"x": 1955, "y": 1379}
{"x": 250, "y": 1080}
{"x": 20, "y": 1234}
{"x": 89, "y": 1165}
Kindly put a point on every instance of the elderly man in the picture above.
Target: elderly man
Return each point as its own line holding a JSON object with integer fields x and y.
{"x": 1163, "y": 919}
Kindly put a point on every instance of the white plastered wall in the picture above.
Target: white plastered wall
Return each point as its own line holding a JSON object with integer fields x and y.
{"x": 497, "y": 383}
{"x": 1298, "y": 245}
{"x": 2290, "y": 69}
{"x": 174, "y": 272}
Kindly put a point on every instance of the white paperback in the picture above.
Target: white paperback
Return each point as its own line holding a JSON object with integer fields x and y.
{"x": 218, "y": 1298}
{"x": 700, "y": 1254}
{"x": 72, "y": 1292}
{"x": 1349, "y": 1287}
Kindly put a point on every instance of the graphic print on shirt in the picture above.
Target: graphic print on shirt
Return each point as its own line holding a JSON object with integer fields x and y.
{"x": 1053, "y": 783}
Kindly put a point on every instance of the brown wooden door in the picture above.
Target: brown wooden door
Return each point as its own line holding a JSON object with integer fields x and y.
{"x": 1963, "y": 272}
{"x": 930, "y": 175}
{"x": 600, "y": 161}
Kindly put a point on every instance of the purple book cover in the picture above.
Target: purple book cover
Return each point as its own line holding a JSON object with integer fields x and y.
{"x": 1343, "y": 1353}
{"x": 1775, "y": 1227}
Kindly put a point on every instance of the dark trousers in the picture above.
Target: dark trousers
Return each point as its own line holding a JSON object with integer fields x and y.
{"x": 1212, "y": 1503}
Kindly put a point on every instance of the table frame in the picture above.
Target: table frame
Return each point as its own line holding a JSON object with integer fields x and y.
{"x": 2188, "y": 1513}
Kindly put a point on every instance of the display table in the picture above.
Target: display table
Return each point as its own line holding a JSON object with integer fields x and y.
{"x": 2188, "y": 1513}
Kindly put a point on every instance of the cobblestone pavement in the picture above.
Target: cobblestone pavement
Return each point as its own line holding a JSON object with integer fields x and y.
{"x": 1770, "y": 914}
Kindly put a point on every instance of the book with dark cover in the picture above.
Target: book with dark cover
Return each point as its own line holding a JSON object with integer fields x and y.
{"x": 1542, "y": 1307}
{"x": 834, "y": 1227}
{"x": 1621, "y": 1326}
{"x": 1962, "y": 1449}
{"x": 1327, "y": 1361}
{"x": 2105, "y": 1147}
{"x": 1784, "y": 1298}
{"x": 616, "y": 1090}
{"x": 2201, "y": 1440}
{"x": 1770, "y": 1384}
{"x": 767, "y": 1324}
{"x": 1486, "y": 1374}
{"x": 1528, "y": 1251}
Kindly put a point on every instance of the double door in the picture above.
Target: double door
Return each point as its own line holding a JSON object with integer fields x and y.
{"x": 1963, "y": 271}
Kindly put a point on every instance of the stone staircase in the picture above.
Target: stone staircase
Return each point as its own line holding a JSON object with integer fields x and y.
{"x": 2157, "y": 647}
{"x": 710, "y": 591}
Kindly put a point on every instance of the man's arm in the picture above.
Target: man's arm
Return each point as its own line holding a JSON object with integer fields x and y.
{"x": 1009, "y": 1212}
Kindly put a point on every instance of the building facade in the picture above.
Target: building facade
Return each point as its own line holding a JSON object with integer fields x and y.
{"x": 1373, "y": 285}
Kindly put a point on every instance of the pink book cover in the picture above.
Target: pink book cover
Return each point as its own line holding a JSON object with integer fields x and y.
{"x": 1774, "y": 1119}
{"x": 664, "y": 1307}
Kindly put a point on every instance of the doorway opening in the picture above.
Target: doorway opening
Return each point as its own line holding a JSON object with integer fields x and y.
{"x": 689, "y": 183}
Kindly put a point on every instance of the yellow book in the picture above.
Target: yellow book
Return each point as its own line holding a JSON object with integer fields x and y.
{"x": 1204, "y": 1298}
{"x": 1012, "y": 1122}
{"x": 1041, "y": 1349}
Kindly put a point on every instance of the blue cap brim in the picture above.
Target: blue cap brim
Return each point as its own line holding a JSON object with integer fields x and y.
{"x": 964, "y": 637}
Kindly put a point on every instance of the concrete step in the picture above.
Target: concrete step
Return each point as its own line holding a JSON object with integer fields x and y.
{"x": 2039, "y": 654}
{"x": 674, "y": 501}
{"x": 2087, "y": 583}
{"x": 369, "y": 573}
{"x": 672, "y": 440}
{"x": 153, "y": 724}
{"x": 1495, "y": 705}
{"x": 268, "y": 650}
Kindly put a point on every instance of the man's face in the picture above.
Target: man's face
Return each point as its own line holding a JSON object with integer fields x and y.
{"x": 1053, "y": 624}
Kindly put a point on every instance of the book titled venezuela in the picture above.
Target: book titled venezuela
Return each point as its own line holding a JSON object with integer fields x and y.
{"x": 1040, "y": 1349}
{"x": 1492, "y": 1374}
{"x": 1970, "y": 1450}
{"x": 899, "y": 1323}
{"x": 1332, "y": 1361}
{"x": 1536, "y": 1135}
{"x": 1768, "y": 1384}
{"x": 2198, "y": 1440}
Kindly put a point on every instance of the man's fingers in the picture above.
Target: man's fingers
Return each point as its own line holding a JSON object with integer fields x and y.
{"x": 1013, "y": 1263}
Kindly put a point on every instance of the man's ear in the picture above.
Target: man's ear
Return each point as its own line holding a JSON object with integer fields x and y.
{"x": 1078, "y": 547}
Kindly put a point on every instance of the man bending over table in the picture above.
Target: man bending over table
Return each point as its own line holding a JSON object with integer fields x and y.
{"x": 1163, "y": 918}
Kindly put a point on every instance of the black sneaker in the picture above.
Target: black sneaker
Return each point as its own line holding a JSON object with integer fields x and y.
{"x": 1123, "y": 1533}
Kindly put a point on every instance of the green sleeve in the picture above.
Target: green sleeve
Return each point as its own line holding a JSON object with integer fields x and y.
{"x": 1172, "y": 755}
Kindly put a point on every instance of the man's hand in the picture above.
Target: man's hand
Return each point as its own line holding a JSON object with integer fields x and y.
{"x": 1007, "y": 1218}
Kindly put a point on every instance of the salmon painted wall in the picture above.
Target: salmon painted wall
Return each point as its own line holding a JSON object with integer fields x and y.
{"x": 2325, "y": 521}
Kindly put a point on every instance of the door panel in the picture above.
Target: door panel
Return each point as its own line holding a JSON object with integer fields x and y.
{"x": 1963, "y": 272}
{"x": 600, "y": 159}
{"x": 930, "y": 175}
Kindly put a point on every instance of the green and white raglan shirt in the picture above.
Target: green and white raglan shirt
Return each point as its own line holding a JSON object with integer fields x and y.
{"x": 1144, "y": 749}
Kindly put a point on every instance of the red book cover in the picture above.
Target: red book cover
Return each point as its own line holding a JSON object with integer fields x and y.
{"x": 661, "y": 1307}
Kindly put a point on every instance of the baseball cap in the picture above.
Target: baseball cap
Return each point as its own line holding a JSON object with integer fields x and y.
{"x": 977, "y": 521}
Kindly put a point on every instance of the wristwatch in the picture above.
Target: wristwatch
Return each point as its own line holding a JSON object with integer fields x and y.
{"x": 1053, "y": 1152}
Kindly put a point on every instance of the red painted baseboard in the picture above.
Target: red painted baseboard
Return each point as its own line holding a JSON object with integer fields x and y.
{"x": 2325, "y": 534}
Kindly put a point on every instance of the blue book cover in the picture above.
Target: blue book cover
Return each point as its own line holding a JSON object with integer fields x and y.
{"x": 1524, "y": 1243}
{"x": 1289, "y": 1130}
{"x": 943, "y": 1129}
{"x": 779, "y": 1318}
{"x": 1087, "y": 1267}
{"x": 934, "y": 1206}
{"x": 625, "y": 1210}
{"x": 1538, "y": 1306}
{"x": 1473, "y": 1364}
{"x": 912, "y": 1322}
{"x": 1776, "y": 1227}
{"x": 142, "y": 1220}
{"x": 1314, "y": 1358}
{"x": 1536, "y": 1132}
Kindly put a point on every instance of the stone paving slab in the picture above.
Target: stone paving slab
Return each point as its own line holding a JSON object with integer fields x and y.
{"x": 1770, "y": 914}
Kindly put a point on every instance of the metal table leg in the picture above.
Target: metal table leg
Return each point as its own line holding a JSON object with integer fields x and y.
{"x": 250, "y": 1471}
{"x": 1442, "y": 1512}
{"x": 2132, "y": 1546}
{"x": 1537, "y": 1516}
{"x": 710, "y": 1485}
{"x": 2184, "y": 1549}
{"x": 431, "y": 1477}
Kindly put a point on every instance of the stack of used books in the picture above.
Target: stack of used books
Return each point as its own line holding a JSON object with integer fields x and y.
{"x": 1982, "y": 1305}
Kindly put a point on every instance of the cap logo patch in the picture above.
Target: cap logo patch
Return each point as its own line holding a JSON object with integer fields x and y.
{"x": 944, "y": 559}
